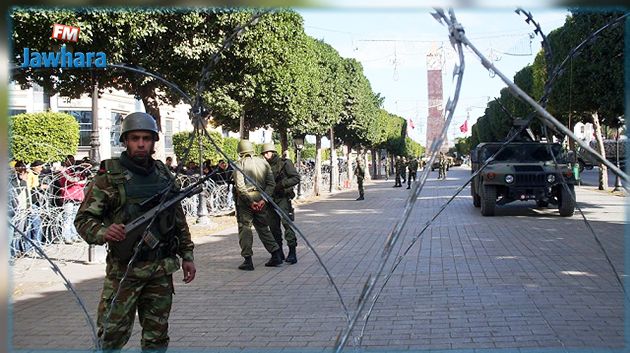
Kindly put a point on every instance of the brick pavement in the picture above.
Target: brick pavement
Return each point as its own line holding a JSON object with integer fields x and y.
{"x": 526, "y": 278}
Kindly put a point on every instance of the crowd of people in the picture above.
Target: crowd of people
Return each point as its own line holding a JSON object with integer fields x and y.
{"x": 38, "y": 186}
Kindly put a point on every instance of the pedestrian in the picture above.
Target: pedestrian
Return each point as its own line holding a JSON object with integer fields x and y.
{"x": 71, "y": 183}
{"x": 169, "y": 164}
{"x": 385, "y": 162}
{"x": 115, "y": 197}
{"x": 286, "y": 177}
{"x": 36, "y": 190}
{"x": 222, "y": 177}
{"x": 442, "y": 164}
{"x": 412, "y": 166}
{"x": 359, "y": 172}
{"x": 251, "y": 208}
{"x": 19, "y": 204}
{"x": 398, "y": 170}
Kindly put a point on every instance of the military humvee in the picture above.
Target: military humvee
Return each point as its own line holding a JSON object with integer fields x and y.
{"x": 522, "y": 171}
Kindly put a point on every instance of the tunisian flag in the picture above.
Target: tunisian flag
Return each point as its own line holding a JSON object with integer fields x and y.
{"x": 464, "y": 127}
{"x": 411, "y": 123}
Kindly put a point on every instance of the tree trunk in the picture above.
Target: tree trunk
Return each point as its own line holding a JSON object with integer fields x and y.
{"x": 242, "y": 131}
{"x": 374, "y": 164}
{"x": 349, "y": 171}
{"x": 284, "y": 143}
{"x": 95, "y": 155}
{"x": 318, "y": 165}
{"x": 334, "y": 172}
{"x": 603, "y": 170}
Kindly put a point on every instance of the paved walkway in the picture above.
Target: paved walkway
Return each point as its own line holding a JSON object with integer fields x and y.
{"x": 525, "y": 278}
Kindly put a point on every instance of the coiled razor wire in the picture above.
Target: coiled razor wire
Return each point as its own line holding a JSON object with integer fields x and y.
{"x": 199, "y": 114}
{"x": 455, "y": 32}
{"x": 530, "y": 118}
{"x": 67, "y": 284}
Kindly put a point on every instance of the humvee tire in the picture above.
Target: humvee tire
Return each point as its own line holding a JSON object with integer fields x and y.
{"x": 475, "y": 196}
{"x": 566, "y": 204}
{"x": 488, "y": 200}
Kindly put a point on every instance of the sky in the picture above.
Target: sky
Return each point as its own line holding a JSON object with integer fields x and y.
{"x": 392, "y": 45}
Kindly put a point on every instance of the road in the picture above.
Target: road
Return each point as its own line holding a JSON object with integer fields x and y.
{"x": 591, "y": 177}
{"x": 524, "y": 279}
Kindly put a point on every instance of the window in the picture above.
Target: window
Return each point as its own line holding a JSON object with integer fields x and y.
{"x": 116, "y": 121}
{"x": 13, "y": 112}
{"x": 84, "y": 118}
{"x": 168, "y": 133}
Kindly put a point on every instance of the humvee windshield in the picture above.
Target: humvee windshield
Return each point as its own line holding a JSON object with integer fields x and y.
{"x": 523, "y": 153}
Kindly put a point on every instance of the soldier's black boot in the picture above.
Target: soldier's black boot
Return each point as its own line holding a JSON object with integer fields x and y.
{"x": 292, "y": 257}
{"x": 281, "y": 255}
{"x": 274, "y": 260}
{"x": 247, "y": 265}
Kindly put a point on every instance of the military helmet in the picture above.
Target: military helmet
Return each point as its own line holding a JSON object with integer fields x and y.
{"x": 138, "y": 121}
{"x": 244, "y": 146}
{"x": 269, "y": 146}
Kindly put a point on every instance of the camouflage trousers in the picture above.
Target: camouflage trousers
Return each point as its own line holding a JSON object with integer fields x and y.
{"x": 360, "y": 185}
{"x": 245, "y": 218}
{"x": 275, "y": 221}
{"x": 151, "y": 297}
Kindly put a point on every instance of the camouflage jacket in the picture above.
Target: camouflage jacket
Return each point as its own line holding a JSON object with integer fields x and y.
{"x": 105, "y": 204}
{"x": 285, "y": 175}
{"x": 257, "y": 169}
{"x": 412, "y": 166}
{"x": 359, "y": 170}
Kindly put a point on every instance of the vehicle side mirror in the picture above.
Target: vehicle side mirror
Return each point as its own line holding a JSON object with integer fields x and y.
{"x": 571, "y": 157}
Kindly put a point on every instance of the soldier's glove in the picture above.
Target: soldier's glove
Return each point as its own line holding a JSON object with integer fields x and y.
{"x": 278, "y": 190}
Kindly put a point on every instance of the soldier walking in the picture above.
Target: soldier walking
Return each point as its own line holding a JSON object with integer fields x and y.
{"x": 286, "y": 177}
{"x": 115, "y": 197}
{"x": 251, "y": 208}
{"x": 398, "y": 170}
{"x": 413, "y": 170}
{"x": 443, "y": 163}
{"x": 403, "y": 169}
{"x": 359, "y": 172}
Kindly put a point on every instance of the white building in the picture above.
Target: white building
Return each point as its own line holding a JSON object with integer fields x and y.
{"x": 112, "y": 107}
{"x": 584, "y": 132}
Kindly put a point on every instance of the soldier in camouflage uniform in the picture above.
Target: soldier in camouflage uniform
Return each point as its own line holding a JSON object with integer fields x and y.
{"x": 443, "y": 164}
{"x": 251, "y": 207}
{"x": 114, "y": 198}
{"x": 413, "y": 170}
{"x": 286, "y": 177}
{"x": 398, "y": 170}
{"x": 359, "y": 172}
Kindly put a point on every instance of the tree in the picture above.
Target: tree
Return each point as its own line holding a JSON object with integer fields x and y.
{"x": 48, "y": 136}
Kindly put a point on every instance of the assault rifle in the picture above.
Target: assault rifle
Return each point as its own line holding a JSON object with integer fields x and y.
{"x": 123, "y": 250}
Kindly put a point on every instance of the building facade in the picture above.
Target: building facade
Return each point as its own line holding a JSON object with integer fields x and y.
{"x": 112, "y": 108}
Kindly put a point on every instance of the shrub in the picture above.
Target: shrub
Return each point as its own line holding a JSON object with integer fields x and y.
{"x": 48, "y": 136}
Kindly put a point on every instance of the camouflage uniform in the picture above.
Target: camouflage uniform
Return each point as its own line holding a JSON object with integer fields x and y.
{"x": 398, "y": 169}
{"x": 259, "y": 170}
{"x": 114, "y": 196}
{"x": 443, "y": 163}
{"x": 403, "y": 169}
{"x": 286, "y": 177}
{"x": 359, "y": 171}
{"x": 413, "y": 169}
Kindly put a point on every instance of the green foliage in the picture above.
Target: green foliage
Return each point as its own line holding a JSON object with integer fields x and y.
{"x": 181, "y": 140}
{"x": 229, "y": 147}
{"x": 462, "y": 146}
{"x": 48, "y": 136}
{"x": 412, "y": 148}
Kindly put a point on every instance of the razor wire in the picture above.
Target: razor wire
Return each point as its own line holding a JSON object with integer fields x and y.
{"x": 548, "y": 87}
{"x": 455, "y": 32}
{"x": 67, "y": 283}
{"x": 199, "y": 115}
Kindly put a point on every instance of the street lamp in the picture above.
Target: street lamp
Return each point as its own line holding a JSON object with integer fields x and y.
{"x": 298, "y": 142}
